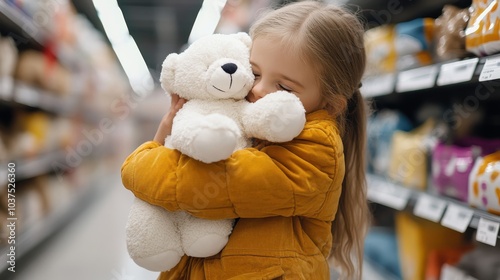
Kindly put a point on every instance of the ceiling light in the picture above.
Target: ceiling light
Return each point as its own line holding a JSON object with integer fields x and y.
{"x": 124, "y": 46}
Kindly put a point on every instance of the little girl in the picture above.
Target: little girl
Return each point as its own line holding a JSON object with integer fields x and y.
{"x": 298, "y": 204}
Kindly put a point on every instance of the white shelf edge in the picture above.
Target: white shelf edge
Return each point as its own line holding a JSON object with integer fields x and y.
{"x": 33, "y": 97}
{"x": 389, "y": 186}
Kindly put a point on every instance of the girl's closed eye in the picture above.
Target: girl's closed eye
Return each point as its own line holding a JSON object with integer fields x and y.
{"x": 285, "y": 88}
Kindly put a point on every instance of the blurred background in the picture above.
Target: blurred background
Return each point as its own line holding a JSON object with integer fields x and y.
{"x": 79, "y": 92}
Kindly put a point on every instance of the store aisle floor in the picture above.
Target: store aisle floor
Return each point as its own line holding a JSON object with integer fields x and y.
{"x": 91, "y": 247}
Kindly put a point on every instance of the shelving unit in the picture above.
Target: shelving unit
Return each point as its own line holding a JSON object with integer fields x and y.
{"x": 23, "y": 28}
{"x": 460, "y": 72}
{"x": 426, "y": 205}
{"x": 51, "y": 224}
{"x": 456, "y": 92}
{"x": 32, "y": 167}
{"x": 47, "y": 168}
{"x": 468, "y": 75}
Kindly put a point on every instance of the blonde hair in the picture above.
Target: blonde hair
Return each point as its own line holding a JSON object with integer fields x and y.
{"x": 331, "y": 39}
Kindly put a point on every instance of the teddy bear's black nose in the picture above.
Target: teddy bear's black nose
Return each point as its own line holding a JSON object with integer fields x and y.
{"x": 229, "y": 68}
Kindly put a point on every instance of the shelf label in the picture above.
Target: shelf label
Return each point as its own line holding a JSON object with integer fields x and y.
{"x": 449, "y": 272}
{"x": 388, "y": 194}
{"x": 491, "y": 69}
{"x": 419, "y": 78}
{"x": 429, "y": 208}
{"x": 487, "y": 232}
{"x": 457, "y": 72}
{"x": 378, "y": 85}
{"x": 457, "y": 217}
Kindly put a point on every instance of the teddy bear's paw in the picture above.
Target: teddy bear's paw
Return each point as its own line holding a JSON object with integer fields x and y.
{"x": 206, "y": 246}
{"x": 214, "y": 144}
{"x": 287, "y": 117}
{"x": 160, "y": 262}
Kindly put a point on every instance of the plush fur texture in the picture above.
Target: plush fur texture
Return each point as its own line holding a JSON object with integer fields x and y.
{"x": 214, "y": 75}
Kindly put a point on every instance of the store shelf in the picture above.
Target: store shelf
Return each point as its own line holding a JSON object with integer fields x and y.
{"x": 28, "y": 168}
{"x": 458, "y": 72}
{"x": 25, "y": 95}
{"x": 27, "y": 33}
{"x": 33, "y": 97}
{"x": 42, "y": 164}
{"x": 427, "y": 205}
{"x": 22, "y": 94}
{"x": 25, "y": 29}
{"x": 52, "y": 223}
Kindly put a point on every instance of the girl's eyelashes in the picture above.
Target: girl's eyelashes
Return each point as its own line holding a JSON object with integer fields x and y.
{"x": 278, "y": 85}
{"x": 284, "y": 88}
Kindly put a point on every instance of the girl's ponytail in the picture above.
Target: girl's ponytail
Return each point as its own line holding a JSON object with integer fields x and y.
{"x": 351, "y": 223}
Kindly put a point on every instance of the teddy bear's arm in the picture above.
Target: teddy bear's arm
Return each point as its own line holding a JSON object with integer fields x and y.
{"x": 205, "y": 137}
{"x": 277, "y": 117}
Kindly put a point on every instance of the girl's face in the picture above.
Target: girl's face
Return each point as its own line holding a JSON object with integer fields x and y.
{"x": 276, "y": 69}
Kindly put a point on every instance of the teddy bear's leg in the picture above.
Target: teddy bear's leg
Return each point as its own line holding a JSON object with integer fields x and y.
{"x": 203, "y": 238}
{"x": 208, "y": 138}
{"x": 276, "y": 117}
{"x": 153, "y": 240}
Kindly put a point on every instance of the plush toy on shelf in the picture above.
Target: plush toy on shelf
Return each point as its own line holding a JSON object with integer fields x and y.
{"x": 214, "y": 75}
{"x": 8, "y": 60}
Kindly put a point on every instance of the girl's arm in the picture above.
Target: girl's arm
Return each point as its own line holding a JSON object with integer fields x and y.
{"x": 301, "y": 177}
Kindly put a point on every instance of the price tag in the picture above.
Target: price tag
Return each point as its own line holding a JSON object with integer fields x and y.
{"x": 457, "y": 217}
{"x": 394, "y": 196}
{"x": 429, "y": 208}
{"x": 372, "y": 194}
{"x": 487, "y": 232}
{"x": 449, "y": 272}
{"x": 378, "y": 85}
{"x": 415, "y": 79}
{"x": 491, "y": 69}
{"x": 457, "y": 72}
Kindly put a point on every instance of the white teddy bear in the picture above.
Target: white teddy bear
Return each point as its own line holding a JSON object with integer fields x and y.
{"x": 214, "y": 75}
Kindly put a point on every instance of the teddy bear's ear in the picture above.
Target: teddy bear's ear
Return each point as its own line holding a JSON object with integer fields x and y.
{"x": 245, "y": 38}
{"x": 168, "y": 72}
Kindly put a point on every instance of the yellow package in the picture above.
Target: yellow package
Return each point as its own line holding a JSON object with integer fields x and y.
{"x": 482, "y": 35}
{"x": 408, "y": 164}
{"x": 380, "y": 50}
{"x": 417, "y": 238}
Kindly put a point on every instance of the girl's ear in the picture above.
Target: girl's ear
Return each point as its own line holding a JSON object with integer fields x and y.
{"x": 245, "y": 38}
{"x": 167, "y": 75}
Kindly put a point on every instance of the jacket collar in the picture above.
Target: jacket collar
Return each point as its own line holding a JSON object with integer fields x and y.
{"x": 318, "y": 115}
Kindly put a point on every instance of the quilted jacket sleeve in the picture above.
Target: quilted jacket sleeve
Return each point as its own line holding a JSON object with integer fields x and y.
{"x": 302, "y": 177}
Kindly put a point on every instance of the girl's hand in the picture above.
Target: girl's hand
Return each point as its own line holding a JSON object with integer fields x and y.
{"x": 165, "y": 127}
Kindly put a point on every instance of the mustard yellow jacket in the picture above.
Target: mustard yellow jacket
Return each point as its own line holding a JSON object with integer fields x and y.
{"x": 284, "y": 197}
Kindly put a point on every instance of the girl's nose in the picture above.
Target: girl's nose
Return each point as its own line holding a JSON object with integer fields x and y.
{"x": 259, "y": 90}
